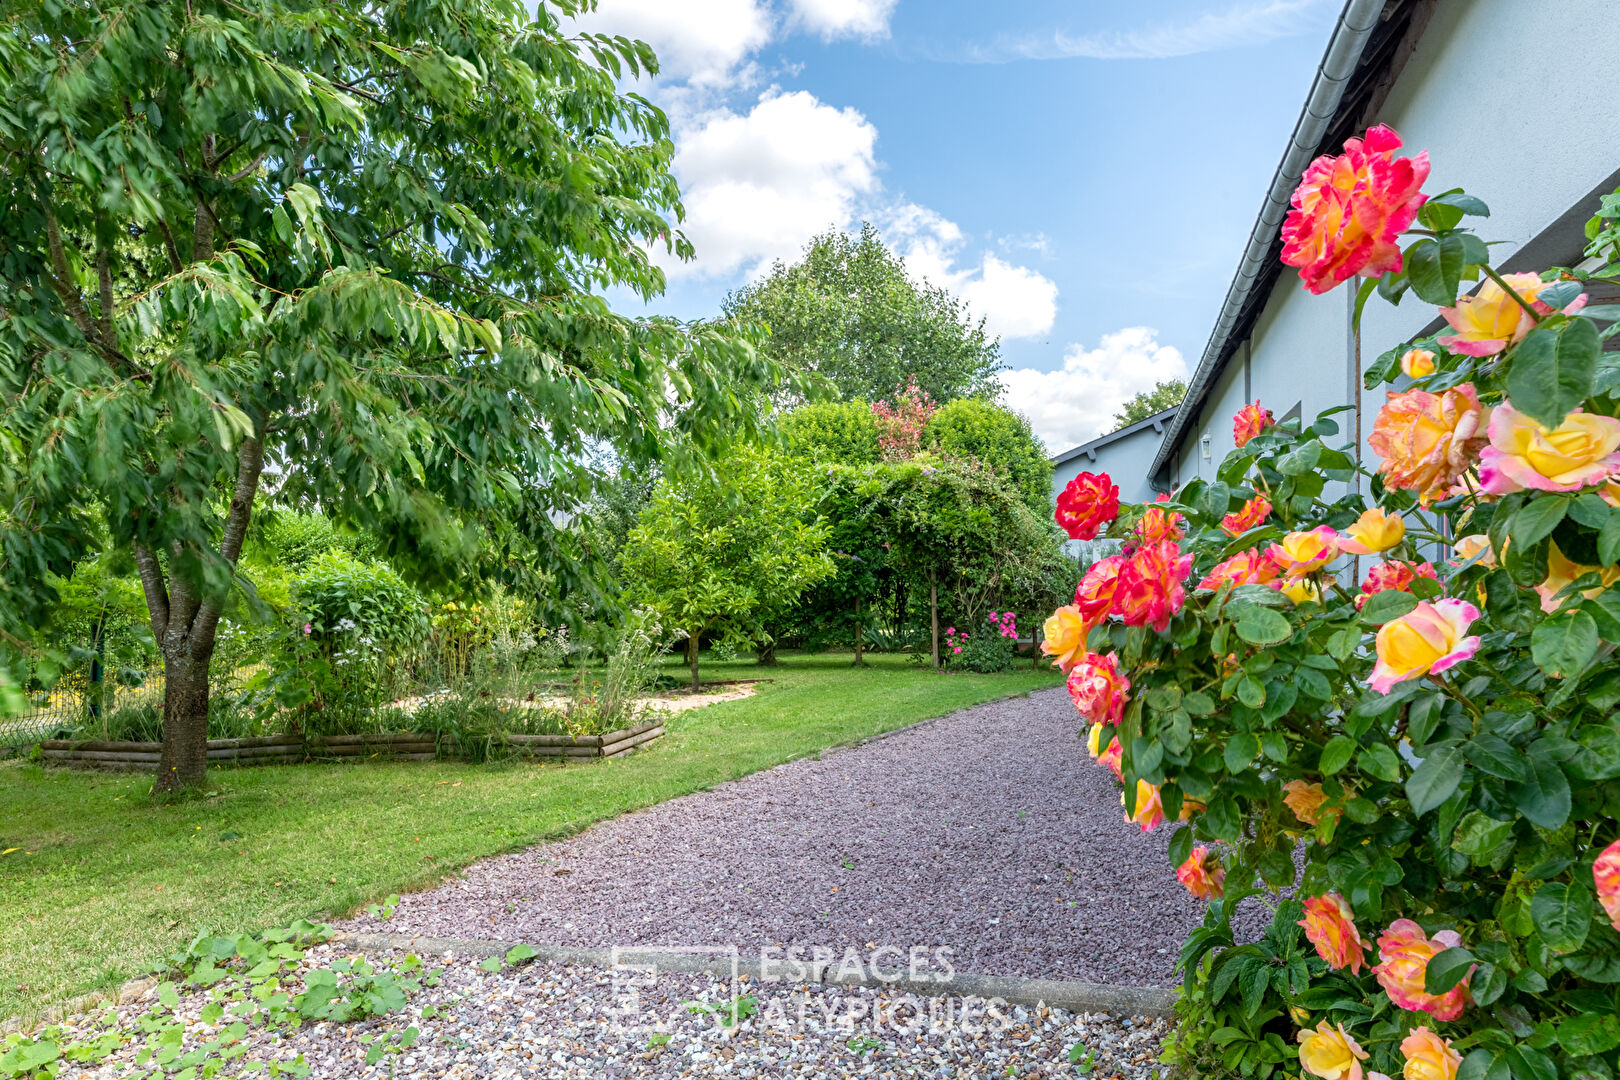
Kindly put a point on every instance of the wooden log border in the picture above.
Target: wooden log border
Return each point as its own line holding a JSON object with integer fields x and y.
{"x": 291, "y": 749}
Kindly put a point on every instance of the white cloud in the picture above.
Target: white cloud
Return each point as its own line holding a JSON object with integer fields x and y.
{"x": 1245, "y": 24}
{"x": 702, "y": 42}
{"x": 757, "y": 186}
{"x": 1015, "y": 301}
{"x": 1078, "y": 403}
{"x": 831, "y": 19}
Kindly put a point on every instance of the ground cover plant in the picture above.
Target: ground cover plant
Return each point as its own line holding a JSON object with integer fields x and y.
{"x": 1406, "y": 668}
{"x": 98, "y": 882}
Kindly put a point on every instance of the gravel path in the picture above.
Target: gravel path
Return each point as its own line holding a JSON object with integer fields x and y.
{"x": 577, "y": 1023}
{"x": 989, "y": 832}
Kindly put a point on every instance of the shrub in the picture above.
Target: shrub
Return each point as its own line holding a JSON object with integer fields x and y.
{"x": 1442, "y": 739}
{"x": 998, "y": 437}
{"x": 838, "y": 432}
{"x": 339, "y": 596}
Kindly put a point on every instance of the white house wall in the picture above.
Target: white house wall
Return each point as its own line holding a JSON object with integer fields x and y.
{"x": 1497, "y": 92}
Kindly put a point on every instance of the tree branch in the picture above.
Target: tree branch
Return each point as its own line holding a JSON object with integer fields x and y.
{"x": 105, "y": 288}
{"x": 248, "y": 169}
{"x": 175, "y": 262}
{"x": 249, "y": 466}
{"x": 157, "y": 597}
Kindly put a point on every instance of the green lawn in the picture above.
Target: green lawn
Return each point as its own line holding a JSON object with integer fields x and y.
{"x": 102, "y": 881}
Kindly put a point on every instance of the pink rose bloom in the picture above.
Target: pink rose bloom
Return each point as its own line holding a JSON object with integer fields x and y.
{"x": 1349, "y": 210}
{"x": 1491, "y": 320}
{"x": 1152, "y": 585}
{"x": 1406, "y": 951}
{"x": 1582, "y": 451}
{"x": 1098, "y": 688}
{"x": 1606, "y": 873}
{"x": 1427, "y": 640}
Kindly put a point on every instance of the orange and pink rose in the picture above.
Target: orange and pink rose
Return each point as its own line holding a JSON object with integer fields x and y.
{"x": 1606, "y": 876}
{"x": 1305, "y": 800}
{"x": 1098, "y": 688}
{"x": 1151, "y": 586}
{"x": 1158, "y": 526}
{"x": 1251, "y": 567}
{"x": 1254, "y": 513}
{"x": 1149, "y": 812}
{"x": 1428, "y": 1056}
{"x": 1088, "y": 504}
{"x": 1393, "y": 575}
{"x": 1581, "y": 452}
{"x": 1248, "y": 422}
{"x": 1417, "y": 363}
{"x": 1330, "y": 925}
{"x": 1348, "y": 211}
{"x": 1491, "y": 319}
{"x": 1202, "y": 874}
{"x": 1405, "y": 951}
{"x": 1094, "y": 596}
{"x": 1428, "y": 440}
{"x": 1429, "y": 639}
{"x": 1302, "y": 553}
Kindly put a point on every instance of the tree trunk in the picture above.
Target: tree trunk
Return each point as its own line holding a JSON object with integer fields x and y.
{"x": 692, "y": 658}
{"x": 765, "y": 654}
{"x": 933, "y": 614}
{"x": 185, "y": 723}
{"x": 860, "y": 631}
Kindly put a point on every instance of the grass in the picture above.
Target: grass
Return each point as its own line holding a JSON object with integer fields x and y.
{"x": 102, "y": 881}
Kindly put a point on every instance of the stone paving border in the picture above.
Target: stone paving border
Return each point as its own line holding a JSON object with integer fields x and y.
{"x": 1077, "y": 997}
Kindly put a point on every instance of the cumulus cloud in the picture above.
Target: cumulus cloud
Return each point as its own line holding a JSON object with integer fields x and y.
{"x": 831, "y": 19}
{"x": 1077, "y": 403}
{"x": 1015, "y": 301}
{"x": 758, "y": 185}
{"x": 1245, "y": 24}
{"x": 706, "y": 43}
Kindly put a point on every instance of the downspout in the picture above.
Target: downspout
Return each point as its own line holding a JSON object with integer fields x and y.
{"x": 1355, "y": 26}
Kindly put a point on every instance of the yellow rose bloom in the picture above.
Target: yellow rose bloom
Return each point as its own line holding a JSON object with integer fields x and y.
{"x": 1373, "y": 532}
{"x": 1329, "y": 1052}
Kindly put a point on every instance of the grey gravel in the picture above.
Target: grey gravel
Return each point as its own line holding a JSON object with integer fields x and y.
{"x": 566, "y": 1022}
{"x": 988, "y": 831}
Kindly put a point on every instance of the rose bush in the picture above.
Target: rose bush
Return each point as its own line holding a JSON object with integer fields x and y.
{"x": 1439, "y": 745}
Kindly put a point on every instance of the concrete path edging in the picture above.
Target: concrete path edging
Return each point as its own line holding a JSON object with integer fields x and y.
{"x": 1079, "y": 997}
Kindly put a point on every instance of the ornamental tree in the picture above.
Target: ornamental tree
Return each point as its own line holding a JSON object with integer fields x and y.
{"x": 348, "y": 256}
{"x": 725, "y": 549}
{"x": 1442, "y": 744}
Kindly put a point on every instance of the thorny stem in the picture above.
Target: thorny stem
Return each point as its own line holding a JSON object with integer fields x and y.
{"x": 1458, "y": 696}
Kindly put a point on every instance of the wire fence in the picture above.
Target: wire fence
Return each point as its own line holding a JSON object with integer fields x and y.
{"x": 68, "y": 705}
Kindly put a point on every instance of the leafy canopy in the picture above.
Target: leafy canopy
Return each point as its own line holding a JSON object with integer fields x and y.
{"x": 727, "y": 548}
{"x": 848, "y": 311}
{"x": 1166, "y": 394}
{"x": 350, "y": 251}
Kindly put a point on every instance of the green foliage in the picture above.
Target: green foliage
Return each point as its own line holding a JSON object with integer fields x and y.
{"x": 836, "y": 432}
{"x": 1475, "y": 800}
{"x": 848, "y": 312}
{"x": 728, "y": 548}
{"x": 362, "y": 252}
{"x": 249, "y": 983}
{"x": 1166, "y": 394}
{"x": 998, "y": 437}
{"x": 342, "y": 599}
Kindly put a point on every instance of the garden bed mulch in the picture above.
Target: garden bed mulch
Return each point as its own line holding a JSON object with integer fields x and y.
{"x": 988, "y": 831}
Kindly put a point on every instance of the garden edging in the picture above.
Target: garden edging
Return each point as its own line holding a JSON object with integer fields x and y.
{"x": 291, "y": 749}
{"x": 1079, "y": 997}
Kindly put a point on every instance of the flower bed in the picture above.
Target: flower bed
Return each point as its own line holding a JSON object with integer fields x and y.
{"x": 1441, "y": 740}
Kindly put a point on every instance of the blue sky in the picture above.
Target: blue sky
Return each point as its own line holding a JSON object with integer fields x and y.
{"x": 1083, "y": 173}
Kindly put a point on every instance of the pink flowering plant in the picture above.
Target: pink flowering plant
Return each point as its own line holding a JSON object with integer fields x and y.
{"x": 1395, "y": 658}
